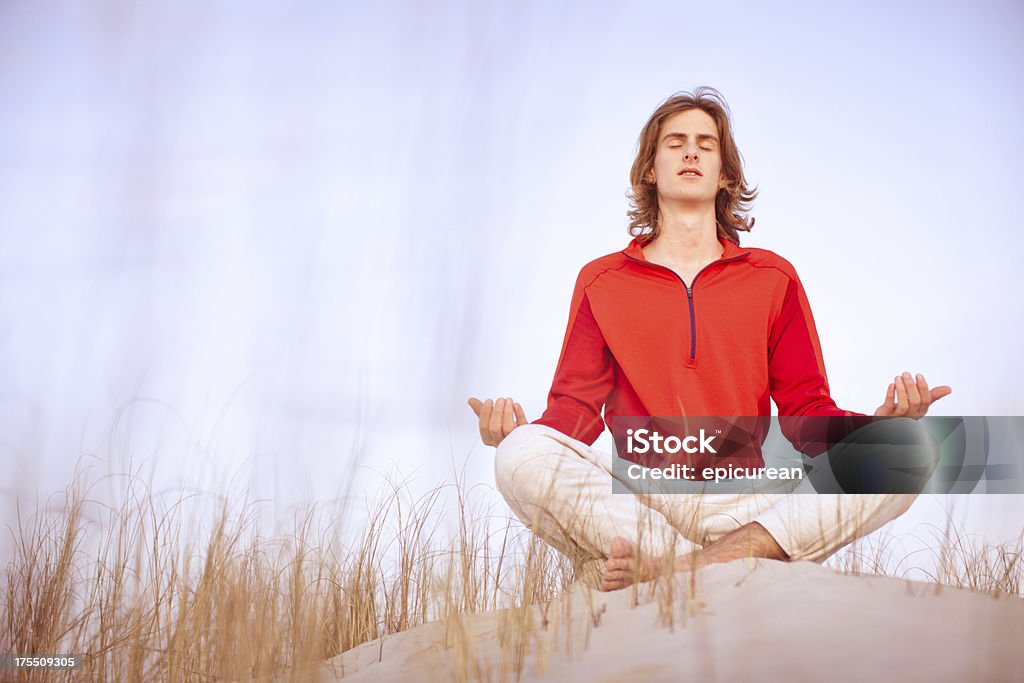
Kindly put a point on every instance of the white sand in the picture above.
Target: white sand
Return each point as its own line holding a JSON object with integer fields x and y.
{"x": 748, "y": 620}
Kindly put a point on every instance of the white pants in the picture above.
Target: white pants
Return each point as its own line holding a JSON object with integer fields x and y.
{"x": 562, "y": 489}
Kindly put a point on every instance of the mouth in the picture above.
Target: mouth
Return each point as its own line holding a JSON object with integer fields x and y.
{"x": 690, "y": 172}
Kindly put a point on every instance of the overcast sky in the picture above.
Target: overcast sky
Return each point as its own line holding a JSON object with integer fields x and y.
{"x": 245, "y": 243}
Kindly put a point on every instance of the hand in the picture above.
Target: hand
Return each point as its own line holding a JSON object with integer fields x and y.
{"x": 497, "y": 418}
{"x": 912, "y": 399}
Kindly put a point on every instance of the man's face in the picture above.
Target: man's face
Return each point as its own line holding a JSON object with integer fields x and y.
{"x": 688, "y": 140}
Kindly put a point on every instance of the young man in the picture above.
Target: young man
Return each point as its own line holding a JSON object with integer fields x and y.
{"x": 682, "y": 322}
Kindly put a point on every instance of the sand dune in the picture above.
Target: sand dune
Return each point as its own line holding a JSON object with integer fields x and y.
{"x": 755, "y": 620}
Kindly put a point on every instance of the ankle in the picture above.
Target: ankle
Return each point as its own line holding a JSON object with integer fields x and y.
{"x": 686, "y": 563}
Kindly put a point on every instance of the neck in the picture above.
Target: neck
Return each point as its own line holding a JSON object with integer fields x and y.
{"x": 687, "y": 235}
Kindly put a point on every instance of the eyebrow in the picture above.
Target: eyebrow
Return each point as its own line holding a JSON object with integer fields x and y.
{"x": 701, "y": 136}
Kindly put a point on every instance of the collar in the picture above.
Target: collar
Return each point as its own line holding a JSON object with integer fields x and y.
{"x": 730, "y": 250}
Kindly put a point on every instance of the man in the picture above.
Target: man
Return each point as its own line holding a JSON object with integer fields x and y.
{"x": 682, "y": 322}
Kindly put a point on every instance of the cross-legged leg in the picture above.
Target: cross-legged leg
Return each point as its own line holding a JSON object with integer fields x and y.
{"x": 804, "y": 524}
{"x": 562, "y": 489}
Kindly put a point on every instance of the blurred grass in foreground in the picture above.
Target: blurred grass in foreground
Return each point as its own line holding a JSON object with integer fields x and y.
{"x": 154, "y": 590}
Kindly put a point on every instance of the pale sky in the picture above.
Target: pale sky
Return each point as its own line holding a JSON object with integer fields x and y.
{"x": 243, "y": 243}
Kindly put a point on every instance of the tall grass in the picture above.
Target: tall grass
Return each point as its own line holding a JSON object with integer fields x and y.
{"x": 148, "y": 591}
{"x": 951, "y": 557}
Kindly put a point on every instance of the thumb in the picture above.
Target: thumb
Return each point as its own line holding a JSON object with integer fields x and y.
{"x": 475, "y": 404}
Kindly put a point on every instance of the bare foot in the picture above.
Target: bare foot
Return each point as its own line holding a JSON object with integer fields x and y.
{"x": 625, "y": 566}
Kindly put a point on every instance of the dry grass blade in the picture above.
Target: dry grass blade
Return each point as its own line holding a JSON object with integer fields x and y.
{"x": 150, "y": 589}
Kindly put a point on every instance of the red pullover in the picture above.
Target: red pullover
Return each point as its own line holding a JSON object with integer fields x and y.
{"x": 641, "y": 342}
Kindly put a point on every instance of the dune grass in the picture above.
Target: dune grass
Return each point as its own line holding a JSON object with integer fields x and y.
{"x": 952, "y": 558}
{"x": 148, "y": 590}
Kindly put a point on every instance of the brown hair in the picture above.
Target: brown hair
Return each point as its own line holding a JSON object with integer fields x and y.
{"x": 733, "y": 201}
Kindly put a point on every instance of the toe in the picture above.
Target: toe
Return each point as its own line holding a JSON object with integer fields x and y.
{"x": 622, "y": 547}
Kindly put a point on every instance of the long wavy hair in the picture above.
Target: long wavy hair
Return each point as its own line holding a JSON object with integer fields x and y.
{"x": 733, "y": 201}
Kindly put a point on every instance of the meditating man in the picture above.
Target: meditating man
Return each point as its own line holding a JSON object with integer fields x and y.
{"x": 683, "y": 322}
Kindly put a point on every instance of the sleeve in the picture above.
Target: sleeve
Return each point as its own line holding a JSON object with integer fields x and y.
{"x": 584, "y": 376}
{"x": 808, "y": 416}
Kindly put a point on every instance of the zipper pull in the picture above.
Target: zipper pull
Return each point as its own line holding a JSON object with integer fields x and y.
{"x": 689, "y": 292}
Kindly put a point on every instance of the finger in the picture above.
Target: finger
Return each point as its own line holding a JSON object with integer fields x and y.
{"x": 508, "y": 419}
{"x": 520, "y": 415}
{"x": 485, "y": 422}
{"x": 494, "y": 424}
{"x": 913, "y": 397}
{"x": 890, "y": 397}
{"x": 476, "y": 404}
{"x": 901, "y": 397}
{"x": 926, "y": 395}
{"x": 485, "y": 412}
{"x": 939, "y": 392}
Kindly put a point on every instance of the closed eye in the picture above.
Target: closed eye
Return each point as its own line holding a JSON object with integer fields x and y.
{"x": 709, "y": 148}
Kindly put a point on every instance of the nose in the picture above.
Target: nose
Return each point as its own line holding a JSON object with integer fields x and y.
{"x": 689, "y": 150}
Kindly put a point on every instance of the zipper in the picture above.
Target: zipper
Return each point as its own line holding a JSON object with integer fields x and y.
{"x": 693, "y": 323}
{"x": 691, "y": 362}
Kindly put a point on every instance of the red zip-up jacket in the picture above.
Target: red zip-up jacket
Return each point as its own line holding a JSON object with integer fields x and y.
{"x": 641, "y": 342}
